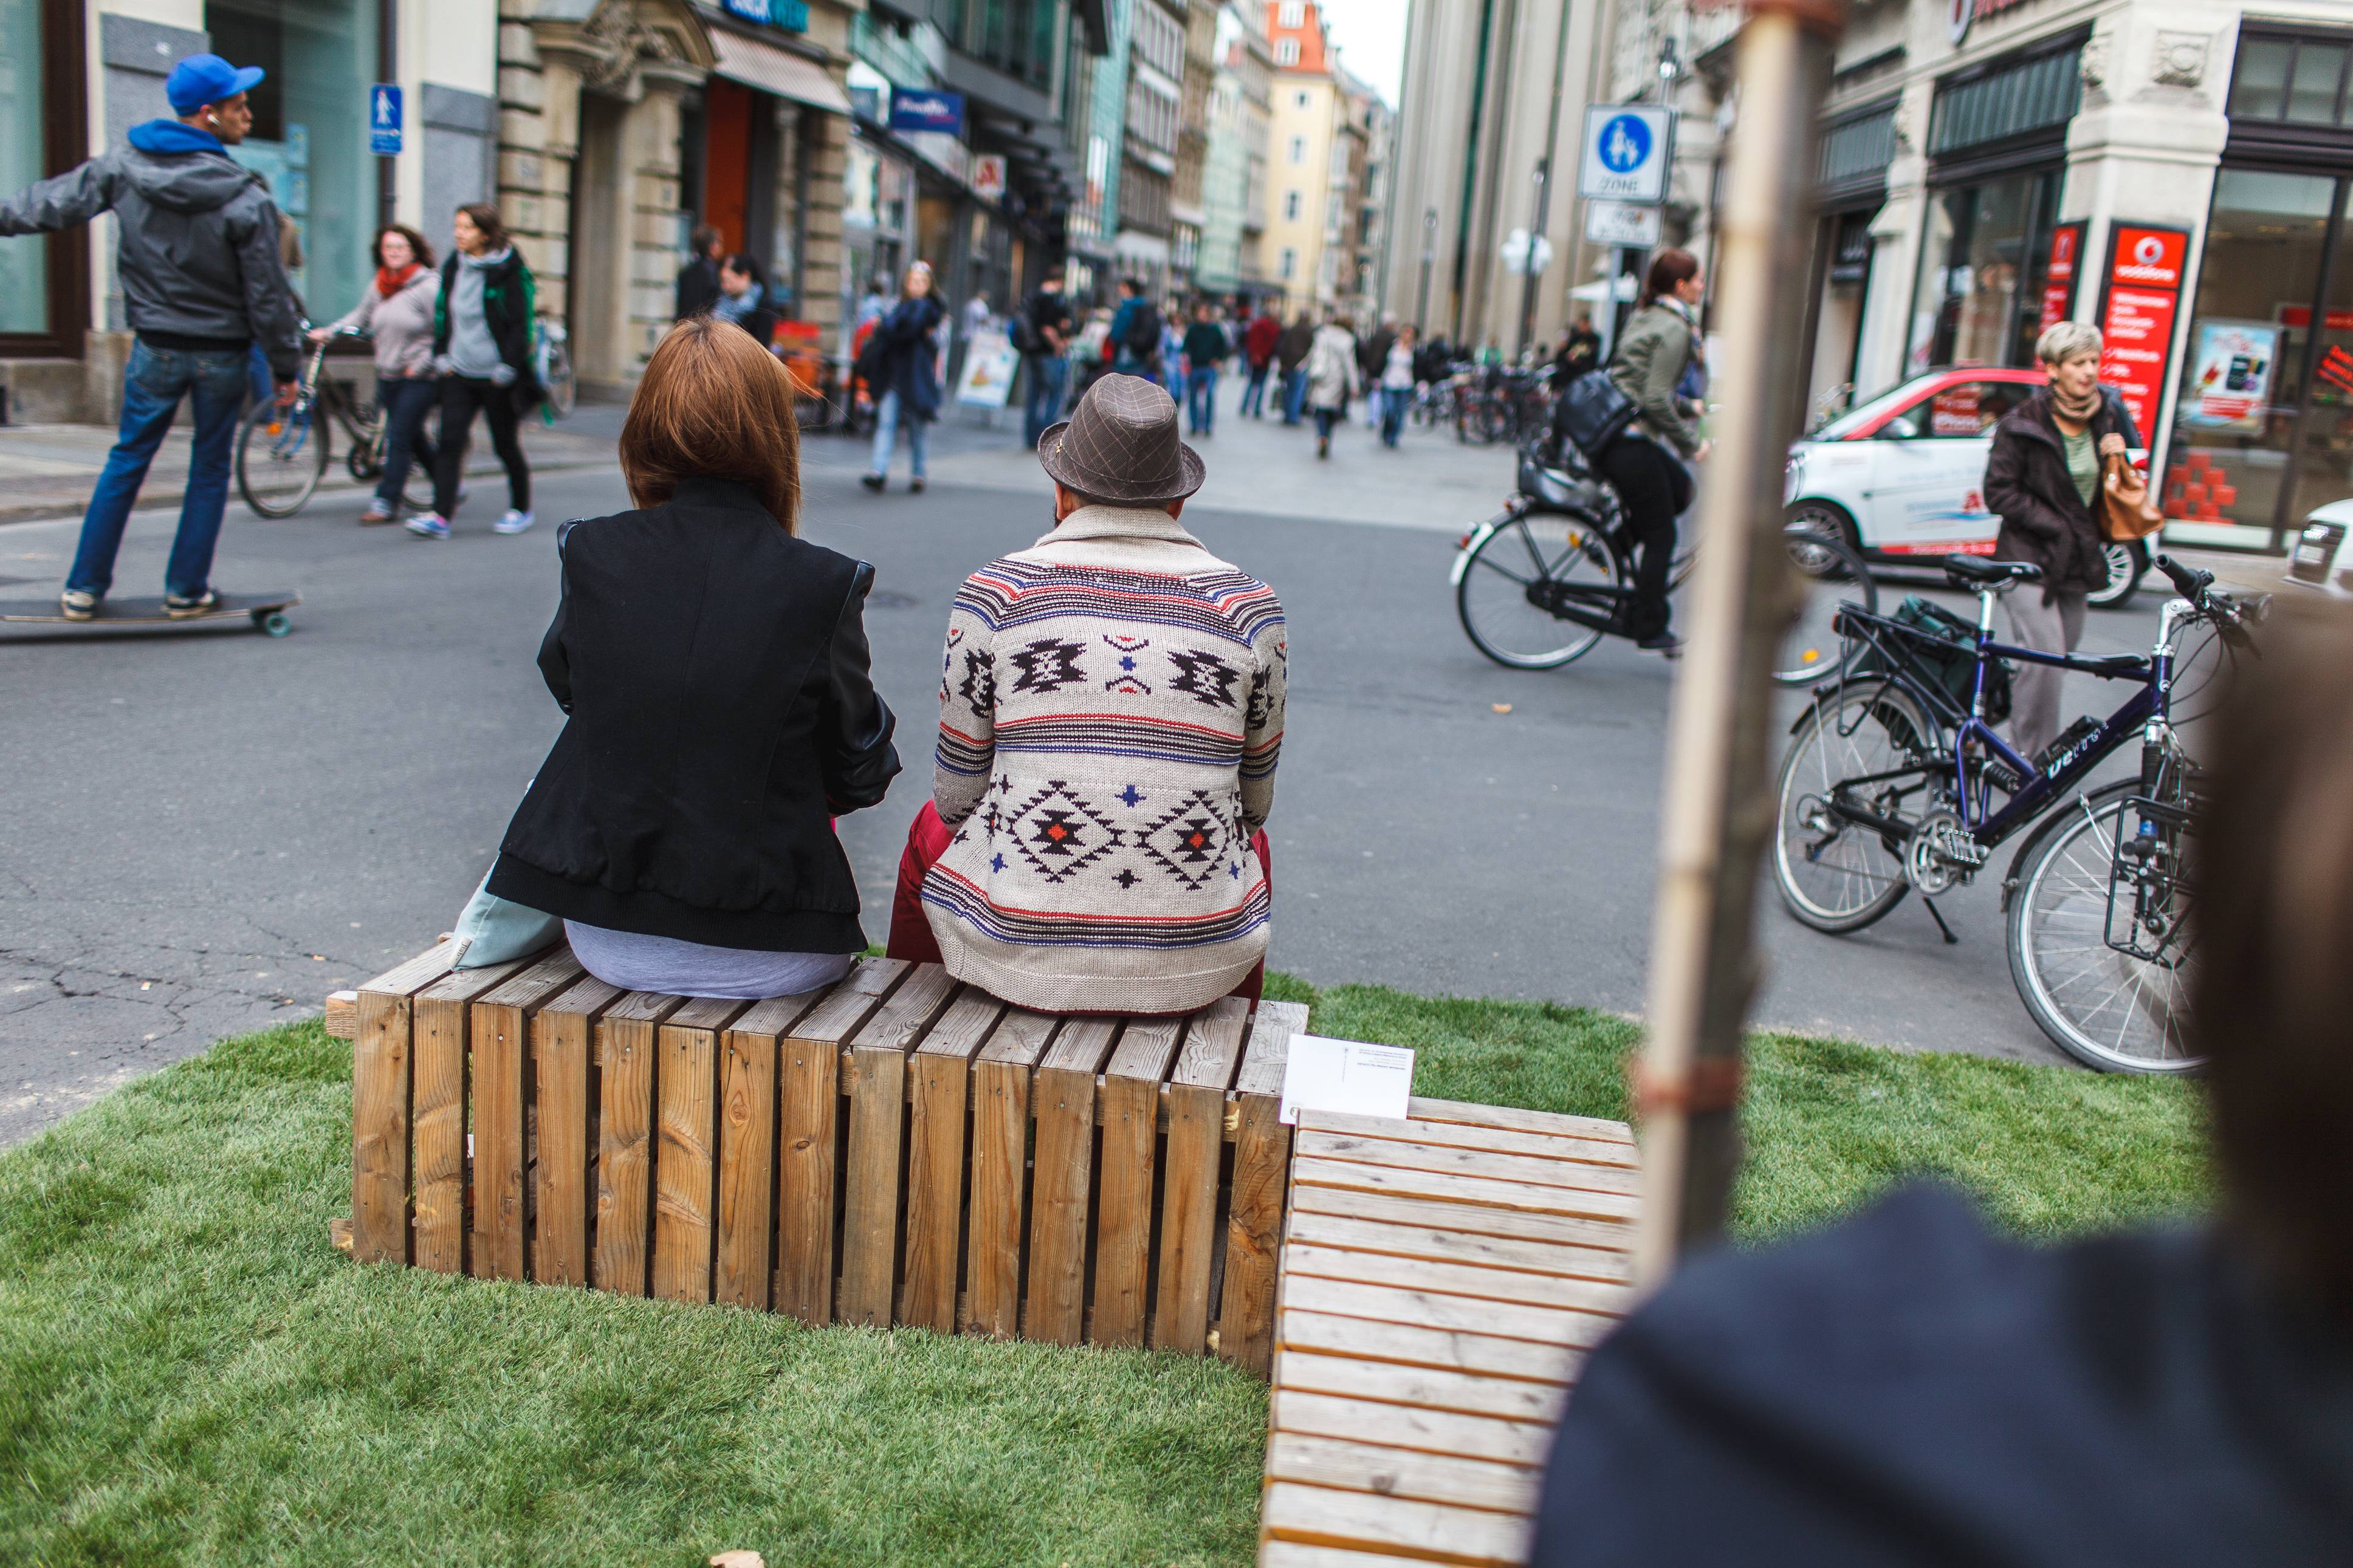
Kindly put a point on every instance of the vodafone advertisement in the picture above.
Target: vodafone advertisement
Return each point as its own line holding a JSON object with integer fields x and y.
{"x": 2059, "y": 275}
{"x": 2141, "y": 296}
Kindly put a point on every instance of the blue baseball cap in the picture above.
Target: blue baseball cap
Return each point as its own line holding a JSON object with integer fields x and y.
{"x": 207, "y": 79}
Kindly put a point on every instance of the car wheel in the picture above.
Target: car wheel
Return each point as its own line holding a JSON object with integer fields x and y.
{"x": 2127, "y": 561}
{"x": 1824, "y": 517}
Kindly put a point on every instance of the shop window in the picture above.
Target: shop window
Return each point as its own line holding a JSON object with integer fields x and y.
{"x": 1982, "y": 267}
{"x": 2007, "y": 99}
{"x": 2292, "y": 79}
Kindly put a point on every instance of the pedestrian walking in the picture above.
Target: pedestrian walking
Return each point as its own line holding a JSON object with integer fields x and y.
{"x": 1645, "y": 464}
{"x": 698, "y": 280}
{"x": 396, "y": 308}
{"x": 482, "y": 347}
{"x": 1205, "y": 349}
{"x": 2042, "y": 479}
{"x": 1373, "y": 358}
{"x": 1333, "y": 378}
{"x": 1044, "y": 336}
{"x": 743, "y": 299}
{"x": 197, "y": 257}
{"x": 1172, "y": 349}
{"x": 1135, "y": 332}
{"x": 1290, "y": 357}
{"x": 1397, "y": 386}
{"x": 877, "y": 302}
{"x": 906, "y": 358}
{"x": 1258, "y": 348}
{"x": 1093, "y": 352}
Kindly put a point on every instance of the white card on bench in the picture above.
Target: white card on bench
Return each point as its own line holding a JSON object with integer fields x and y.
{"x": 1347, "y": 1076}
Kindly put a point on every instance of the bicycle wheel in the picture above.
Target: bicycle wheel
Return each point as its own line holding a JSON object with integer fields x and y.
{"x": 1501, "y": 596}
{"x": 1831, "y": 574}
{"x": 1835, "y": 875}
{"x": 2106, "y": 1009}
{"x": 281, "y": 455}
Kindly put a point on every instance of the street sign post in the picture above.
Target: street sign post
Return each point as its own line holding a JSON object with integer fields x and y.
{"x": 1629, "y": 148}
{"x": 384, "y": 120}
{"x": 1627, "y": 224}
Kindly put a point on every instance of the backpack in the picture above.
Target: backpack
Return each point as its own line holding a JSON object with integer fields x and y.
{"x": 1144, "y": 331}
{"x": 1025, "y": 336}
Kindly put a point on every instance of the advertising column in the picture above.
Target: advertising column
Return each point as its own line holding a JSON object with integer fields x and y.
{"x": 2141, "y": 296}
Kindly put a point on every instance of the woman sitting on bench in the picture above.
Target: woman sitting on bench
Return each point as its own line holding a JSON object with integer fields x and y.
{"x": 714, "y": 668}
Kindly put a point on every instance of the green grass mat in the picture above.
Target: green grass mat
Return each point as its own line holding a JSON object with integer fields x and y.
{"x": 189, "y": 1374}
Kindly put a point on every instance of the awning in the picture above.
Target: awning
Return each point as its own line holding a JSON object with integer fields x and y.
{"x": 780, "y": 71}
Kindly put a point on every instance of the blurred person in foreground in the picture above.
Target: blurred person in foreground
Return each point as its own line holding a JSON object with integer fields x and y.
{"x": 1907, "y": 1387}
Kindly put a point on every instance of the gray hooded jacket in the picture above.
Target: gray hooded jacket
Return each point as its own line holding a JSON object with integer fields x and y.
{"x": 199, "y": 239}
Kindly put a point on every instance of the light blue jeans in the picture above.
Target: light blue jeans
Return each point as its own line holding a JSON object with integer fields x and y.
{"x": 153, "y": 382}
{"x": 886, "y": 436}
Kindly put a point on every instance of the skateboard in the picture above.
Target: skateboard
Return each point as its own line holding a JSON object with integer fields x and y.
{"x": 266, "y": 610}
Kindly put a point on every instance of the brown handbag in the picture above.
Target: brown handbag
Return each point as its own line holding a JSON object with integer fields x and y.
{"x": 2125, "y": 510}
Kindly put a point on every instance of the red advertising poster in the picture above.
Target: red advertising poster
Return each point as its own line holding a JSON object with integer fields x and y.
{"x": 2059, "y": 278}
{"x": 2142, "y": 296}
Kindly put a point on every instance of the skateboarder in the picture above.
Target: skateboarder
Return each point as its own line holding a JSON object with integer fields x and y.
{"x": 202, "y": 286}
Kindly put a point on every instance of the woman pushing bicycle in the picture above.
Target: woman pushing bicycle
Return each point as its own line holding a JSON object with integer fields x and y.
{"x": 397, "y": 308}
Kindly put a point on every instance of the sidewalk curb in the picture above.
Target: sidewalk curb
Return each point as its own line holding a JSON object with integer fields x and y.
{"x": 164, "y": 499}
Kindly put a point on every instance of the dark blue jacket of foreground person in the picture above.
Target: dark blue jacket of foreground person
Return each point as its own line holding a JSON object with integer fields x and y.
{"x": 1907, "y": 1388}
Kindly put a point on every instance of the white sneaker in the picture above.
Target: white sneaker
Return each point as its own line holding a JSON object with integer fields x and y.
{"x": 515, "y": 521}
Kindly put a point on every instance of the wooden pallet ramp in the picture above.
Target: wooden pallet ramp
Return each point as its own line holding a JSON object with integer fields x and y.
{"x": 1441, "y": 1279}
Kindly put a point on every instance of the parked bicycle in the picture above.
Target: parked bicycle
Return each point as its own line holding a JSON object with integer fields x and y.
{"x": 1539, "y": 584}
{"x": 283, "y": 453}
{"x": 1895, "y": 781}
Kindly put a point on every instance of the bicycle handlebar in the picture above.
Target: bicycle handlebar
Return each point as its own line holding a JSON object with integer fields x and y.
{"x": 2188, "y": 580}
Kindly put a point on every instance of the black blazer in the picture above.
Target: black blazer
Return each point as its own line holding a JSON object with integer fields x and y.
{"x": 714, "y": 667}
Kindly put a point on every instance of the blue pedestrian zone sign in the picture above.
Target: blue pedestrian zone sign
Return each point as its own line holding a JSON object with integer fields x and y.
{"x": 384, "y": 120}
{"x": 912, "y": 110}
{"x": 1629, "y": 148}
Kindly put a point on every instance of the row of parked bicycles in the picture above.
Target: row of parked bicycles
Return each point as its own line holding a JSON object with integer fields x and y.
{"x": 1484, "y": 404}
{"x": 1896, "y": 781}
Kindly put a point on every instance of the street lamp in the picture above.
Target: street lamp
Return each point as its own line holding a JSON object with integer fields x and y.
{"x": 1429, "y": 254}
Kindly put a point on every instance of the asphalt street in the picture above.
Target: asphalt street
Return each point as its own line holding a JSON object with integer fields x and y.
{"x": 205, "y": 830}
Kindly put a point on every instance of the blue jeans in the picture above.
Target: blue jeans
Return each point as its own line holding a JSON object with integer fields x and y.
{"x": 886, "y": 436}
{"x": 153, "y": 381}
{"x": 1395, "y": 401}
{"x": 406, "y": 400}
{"x": 1254, "y": 395}
{"x": 1201, "y": 399}
{"x": 1050, "y": 376}
{"x": 1294, "y": 395}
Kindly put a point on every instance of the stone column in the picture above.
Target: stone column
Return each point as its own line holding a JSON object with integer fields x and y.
{"x": 825, "y": 148}
{"x": 539, "y": 137}
{"x": 649, "y": 140}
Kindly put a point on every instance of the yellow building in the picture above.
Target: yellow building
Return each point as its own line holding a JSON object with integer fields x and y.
{"x": 1310, "y": 164}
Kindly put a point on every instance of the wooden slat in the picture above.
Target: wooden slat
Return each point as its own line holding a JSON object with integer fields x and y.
{"x": 1314, "y": 1143}
{"x": 1461, "y": 1135}
{"x": 1502, "y": 1319}
{"x": 439, "y": 1019}
{"x": 1346, "y": 1466}
{"x": 1062, "y": 1103}
{"x": 1468, "y": 1219}
{"x": 1316, "y": 1516}
{"x": 381, "y": 1062}
{"x": 686, "y": 1164}
{"x": 561, "y": 1040}
{"x": 877, "y": 1132}
{"x": 1000, "y": 1147}
{"x": 1455, "y": 1279}
{"x": 935, "y": 1159}
{"x": 1292, "y": 1554}
{"x": 742, "y": 1267}
{"x": 1411, "y": 1427}
{"x": 1550, "y": 1123}
{"x": 1262, "y": 1172}
{"x": 342, "y": 1017}
{"x": 501, "y": 1043}
{"x": 808, "y": 1089}
{"x": 1383, "y": 1383}
{"x": 1130, "y": 1112}
{"x": 1196, "y": 1122}
{"x": 1441, "y": 1246}
{"x": 626, "y": 1055}
{"x": 1409, "y": 1345}
{"x": 1351, "y": 1176}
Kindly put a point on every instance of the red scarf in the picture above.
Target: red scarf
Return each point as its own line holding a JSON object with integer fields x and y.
{"x": 388, "y": 282}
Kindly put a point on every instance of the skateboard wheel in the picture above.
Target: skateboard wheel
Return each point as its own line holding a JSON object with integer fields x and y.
{"x": 273, "y": 622}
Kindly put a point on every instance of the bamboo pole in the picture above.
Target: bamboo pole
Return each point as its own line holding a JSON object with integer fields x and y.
{"x": 1718, "y": 809}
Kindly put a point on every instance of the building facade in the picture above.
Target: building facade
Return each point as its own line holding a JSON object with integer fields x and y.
{"x": 1151, "y": 131}
{"x": 1234, "y": 196}
{"x": 1310, "y": 158}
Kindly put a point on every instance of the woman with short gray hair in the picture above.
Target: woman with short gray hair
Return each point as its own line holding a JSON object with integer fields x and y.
{"x": 2042, "y": 479}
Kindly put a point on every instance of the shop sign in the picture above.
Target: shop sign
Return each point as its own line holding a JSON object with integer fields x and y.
{"x": 927, "y": 110}
{"x": 990, "y": 362}
{"x": 2059, "y": 275}
{"x": 384, "y": 120}
{"x": 1628, "y": 150}
{"x": 2301, "y": 316}
{"x": 988, "y": 176}
{"x": 1964, "y": 12}
{"x": 2136, "y": 315}
{"x": 792, "y": 15}
{"x": 2230, "y": 376}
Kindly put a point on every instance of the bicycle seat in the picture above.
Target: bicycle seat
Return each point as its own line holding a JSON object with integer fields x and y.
{"x": 1997, "y": 574}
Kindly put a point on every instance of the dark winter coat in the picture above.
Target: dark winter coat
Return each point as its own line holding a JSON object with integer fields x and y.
{"x": 1373, "y": 354}
{"x": 197, "y": 252}
{"x": 508, "y": 303}
{"x": 2043, "y": 520}
{"x": 698, "y": 287}
{"x": 908, "y": 356}
{"x": 1292, "y": 348}
{"x": 715, "y": 671}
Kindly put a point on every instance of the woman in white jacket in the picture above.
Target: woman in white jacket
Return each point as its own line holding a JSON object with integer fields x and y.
{"x": 1332, "y": 378}
{"x": 397, "y": 307}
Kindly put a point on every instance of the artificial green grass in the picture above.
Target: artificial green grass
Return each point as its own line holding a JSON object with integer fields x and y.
{"x": 190, "y": 1375}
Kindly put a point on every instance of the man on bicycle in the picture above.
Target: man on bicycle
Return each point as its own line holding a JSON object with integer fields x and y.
{"x": 202, "y": 284}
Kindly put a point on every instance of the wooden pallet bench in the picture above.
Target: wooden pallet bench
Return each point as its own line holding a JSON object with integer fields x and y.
{"x": 896, "y": 1149}
{"x": 1441, "y": 1279}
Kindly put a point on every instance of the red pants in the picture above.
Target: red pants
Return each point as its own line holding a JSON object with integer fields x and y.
{"x": 927, "y": 841}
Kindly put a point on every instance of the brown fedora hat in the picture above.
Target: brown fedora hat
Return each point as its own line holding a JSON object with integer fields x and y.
{"x": 1120, "y": 445}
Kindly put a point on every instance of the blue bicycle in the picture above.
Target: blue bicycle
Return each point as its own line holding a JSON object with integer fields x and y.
{"x": 1896, "y": 781}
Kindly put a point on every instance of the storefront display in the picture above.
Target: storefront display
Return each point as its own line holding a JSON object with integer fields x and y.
{"x": 1983, "y": 272}
{"x": 2231, "y": 375}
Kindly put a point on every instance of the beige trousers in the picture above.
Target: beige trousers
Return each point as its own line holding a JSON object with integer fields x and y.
{"x": 2049, "y": 623}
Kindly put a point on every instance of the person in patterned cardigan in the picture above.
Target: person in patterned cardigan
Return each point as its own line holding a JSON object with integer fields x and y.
{"x": 1111, "y": 714}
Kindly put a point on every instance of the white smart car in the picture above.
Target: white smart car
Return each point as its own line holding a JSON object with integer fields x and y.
{"x": 1902, "y": 475}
